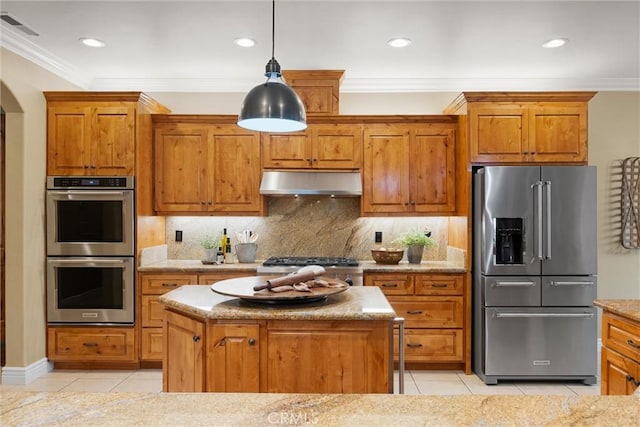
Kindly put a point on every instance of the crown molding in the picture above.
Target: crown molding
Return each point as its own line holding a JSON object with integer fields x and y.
{"x": 21, "y": 45}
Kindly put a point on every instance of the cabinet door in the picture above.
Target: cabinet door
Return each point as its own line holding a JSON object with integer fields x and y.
{"x": 286, "y": 150}
{"x": 385, "y": 170}
{"x": 68, "y": 140}
{"x": 233, "y": 358}
{"x": 336, "y": 146}
{"x": 498, "y": 134}
{"x": 620, "y": 375}
{"x": 181, "y": 169}
{"x": 113, "y": 140}
{"x": 234, "y": 170}
{"x": 328, "y": 357}
{"x": 558, "y": 134}
{"x": 183, "y": 364}
{"x": 432, "y": 170}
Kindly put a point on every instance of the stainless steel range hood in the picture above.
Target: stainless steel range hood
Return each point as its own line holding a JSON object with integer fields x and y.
{"x": 302, "y": 183}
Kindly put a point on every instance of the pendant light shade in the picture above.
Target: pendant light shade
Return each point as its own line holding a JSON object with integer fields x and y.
{"x": 272, "y": 106}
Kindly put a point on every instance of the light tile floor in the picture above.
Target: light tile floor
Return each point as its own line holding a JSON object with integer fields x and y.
{"x": 416, "y": 382}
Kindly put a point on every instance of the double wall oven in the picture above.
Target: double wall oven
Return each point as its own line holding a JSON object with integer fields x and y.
{"x": 90, "y": 250}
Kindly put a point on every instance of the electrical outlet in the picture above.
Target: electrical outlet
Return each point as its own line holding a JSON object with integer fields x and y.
{"x": 178, "y": 235}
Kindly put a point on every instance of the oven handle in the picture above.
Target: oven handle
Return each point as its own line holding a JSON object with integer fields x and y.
{"x": 543, "y": 315}
{"x": 87, "y": 193}
{"x": 90, "y": 261}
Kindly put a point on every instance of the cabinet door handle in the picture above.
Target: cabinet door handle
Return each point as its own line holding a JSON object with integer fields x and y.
{"x": 315, "y": 160}
{"x": 632, "y": 344}
{"x": 169, "y": 285}
{"x": 252, "y": 341}
{"x": 90, "y": 344}
{"x": 414, "y": 312}
{"x": 196, "y": 338}
{"x": 439, "y": 285}
{"x": 389, "y": 285}
{"x": 525, "y": 152}
{"x": 202, "y": 202}
{"x": 210, "y": 203}
{"x": 414, "y": 345}
{"x": 633, "y": 380}
{"x": 86, "y": 166}
{"x": 93, "y": 166}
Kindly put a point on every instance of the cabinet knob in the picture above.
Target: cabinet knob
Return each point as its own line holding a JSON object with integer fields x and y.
{"x": 308, "y": 159}
{"x": 86, "y": 166}
{"x": 196, "y": 338}
{"x": 252, "y": 341}
{"x": 533, "y": 152}
{"x": 315, "y": 160}
{"x": 413, "y": 202}
{"x": 406, "y": 203}
{"x": 202, "y": 202}
{"x": 210, "y": 203}
{"x": 525, "y": 152}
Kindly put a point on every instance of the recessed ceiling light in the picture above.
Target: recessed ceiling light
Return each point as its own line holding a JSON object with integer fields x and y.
{"x": 90, "y": 41}
{"x": 244, "y": 41}
{"x": 399, "y": 42}
{"x": 554, "y": 43}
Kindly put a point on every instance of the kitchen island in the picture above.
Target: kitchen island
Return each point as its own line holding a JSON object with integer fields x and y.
{"x": 219, "y": 343}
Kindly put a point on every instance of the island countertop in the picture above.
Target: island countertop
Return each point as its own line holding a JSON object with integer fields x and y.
{"x": 241, "y": 409}
{"x": 357, "y": 303}
{"x": 629, "y": 308}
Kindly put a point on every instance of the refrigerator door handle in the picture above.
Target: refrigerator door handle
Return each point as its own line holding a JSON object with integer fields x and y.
{"x": 501, "y": 283}
{"x": 537, "y": 187}
{"x": 560, "y": 283}
{"x": 538, "y": 315}
{"x": 547, "y": 221}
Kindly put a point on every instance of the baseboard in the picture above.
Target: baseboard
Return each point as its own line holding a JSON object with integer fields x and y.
{"x": 25, "y": 375}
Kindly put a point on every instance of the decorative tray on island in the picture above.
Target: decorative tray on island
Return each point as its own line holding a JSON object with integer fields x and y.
{"x": 242, "y": 287}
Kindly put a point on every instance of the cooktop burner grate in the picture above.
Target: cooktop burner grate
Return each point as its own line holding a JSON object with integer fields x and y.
{"x": 302, "y": 261}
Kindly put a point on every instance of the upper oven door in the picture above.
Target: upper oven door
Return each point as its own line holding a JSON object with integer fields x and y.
{"x": 90, "y": 223}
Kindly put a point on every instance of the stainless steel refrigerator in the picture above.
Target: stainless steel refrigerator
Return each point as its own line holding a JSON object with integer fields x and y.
{"x": 534, "y": 273}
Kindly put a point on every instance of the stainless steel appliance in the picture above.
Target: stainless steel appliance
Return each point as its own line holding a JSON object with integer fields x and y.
{"x": 90, "y": 250}
{"x": 90, "y": 290}
{"x": 534, "y": 273}
{"x": 90, "y": 216}
{"x": 347, "y": 269}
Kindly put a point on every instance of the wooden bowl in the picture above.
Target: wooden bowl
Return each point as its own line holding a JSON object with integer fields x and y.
{"x": 391, "y": 256}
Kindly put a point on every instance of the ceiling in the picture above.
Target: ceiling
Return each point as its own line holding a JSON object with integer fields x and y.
{"x": 187, "y": 46}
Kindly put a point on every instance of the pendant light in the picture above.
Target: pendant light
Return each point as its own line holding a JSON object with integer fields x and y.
{"x": 272, "y": 106}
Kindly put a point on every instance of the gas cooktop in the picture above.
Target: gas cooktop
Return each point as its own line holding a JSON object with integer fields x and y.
{"x": 302, "y": 261}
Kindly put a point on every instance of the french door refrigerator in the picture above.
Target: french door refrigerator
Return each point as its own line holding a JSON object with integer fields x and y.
{"x": 534, "y": 273}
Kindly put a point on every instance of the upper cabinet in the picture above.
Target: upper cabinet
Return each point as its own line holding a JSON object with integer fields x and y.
{"x": 320, "y": 146}
{"x": 94, "y": 133}
{"x": 206, "y": 167}
{"x": 409, "y": 169}
{"x": 525, "y": 127}
{"x": 319, "y": 90}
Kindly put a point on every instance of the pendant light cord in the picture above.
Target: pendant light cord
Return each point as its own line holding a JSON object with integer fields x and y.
{"x": 273, "y": 29}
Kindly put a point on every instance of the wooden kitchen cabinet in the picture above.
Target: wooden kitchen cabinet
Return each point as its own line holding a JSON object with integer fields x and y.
{"x": 409, "y": 169}
{"x": 96, "y": 133}
{"x": 184, "y": 361}
{"x": 91, "y": 344}
{"x": 152, "y": 285}
{"x": 206, "y": 168}
{"x": 525, "y": 127}
{"x": 432, "y": 306}
{"x": 620, "y": 356}
{"x": 233, "y": 357}
{"x": 320, "y": 146}
{"x": 319, "y": 90}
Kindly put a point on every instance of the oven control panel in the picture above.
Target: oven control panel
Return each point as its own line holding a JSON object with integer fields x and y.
{"x": 89, "y": 182}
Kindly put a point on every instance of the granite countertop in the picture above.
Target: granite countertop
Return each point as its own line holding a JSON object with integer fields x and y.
{"x": 239, "y": 409}
{"x": 356, "y": 303}
{"x": 369, "y": 266}
{"x": 629, "y": 308}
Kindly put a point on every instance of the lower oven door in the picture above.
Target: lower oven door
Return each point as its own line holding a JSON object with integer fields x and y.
{"x": 541, "y": 341}
{"x": 90, "y": 290}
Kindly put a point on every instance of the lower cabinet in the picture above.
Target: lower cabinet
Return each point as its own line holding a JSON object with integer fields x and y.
{"x": 432, "y": 306}
{"x": 152, "y": 285}
{"x": 620, "y": 364}
{"x": 91, "y": 344}
{"x": 276, "y": 356}
{"x": 184, "y": 358}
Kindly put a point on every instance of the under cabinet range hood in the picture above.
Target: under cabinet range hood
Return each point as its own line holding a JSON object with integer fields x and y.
{"x": 303, "y": 183}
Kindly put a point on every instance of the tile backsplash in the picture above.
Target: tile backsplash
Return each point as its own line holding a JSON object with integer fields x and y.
{"x": 306, "y": 226}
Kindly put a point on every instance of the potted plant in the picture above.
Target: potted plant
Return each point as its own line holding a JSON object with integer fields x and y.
{"x": 415, "y": 242}
{"x": 210, "y": 244}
